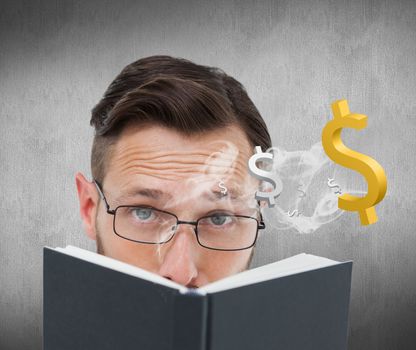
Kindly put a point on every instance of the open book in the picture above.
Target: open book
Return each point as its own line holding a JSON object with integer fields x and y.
{"x": 95, "y": 302}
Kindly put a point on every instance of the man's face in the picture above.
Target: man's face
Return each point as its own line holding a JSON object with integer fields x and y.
{"x": 159, "y": 167}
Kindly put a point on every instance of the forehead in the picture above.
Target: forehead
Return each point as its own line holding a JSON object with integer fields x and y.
{"x": 159, "y": 157}
{"x": 164, "y": 138}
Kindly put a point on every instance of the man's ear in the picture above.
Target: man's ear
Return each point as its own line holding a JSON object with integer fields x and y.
{"x": 88, "y": 202}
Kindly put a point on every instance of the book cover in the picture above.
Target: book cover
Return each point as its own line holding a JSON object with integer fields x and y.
{"x": 94, "y": 302}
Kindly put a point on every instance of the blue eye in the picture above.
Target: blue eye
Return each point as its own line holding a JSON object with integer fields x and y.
{"x": 219, "y": 219}
{"x": 142, "y": 213}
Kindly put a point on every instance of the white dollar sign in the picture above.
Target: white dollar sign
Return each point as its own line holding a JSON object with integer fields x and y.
{"x": 331, "y": 184}
{"x": 266, "y": 176}
{"x": 223, "y": 188}
{"x": 294, "y": 212}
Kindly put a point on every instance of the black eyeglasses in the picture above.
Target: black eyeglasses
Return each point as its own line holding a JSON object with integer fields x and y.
{"x": 149, "y": 225}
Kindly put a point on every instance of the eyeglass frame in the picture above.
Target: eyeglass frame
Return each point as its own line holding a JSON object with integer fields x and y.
{"x": 260, "y": 223}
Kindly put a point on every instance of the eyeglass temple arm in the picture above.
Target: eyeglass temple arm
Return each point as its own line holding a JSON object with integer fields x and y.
{"x": 261, "y": 224}
{"x": 101, "y": 194}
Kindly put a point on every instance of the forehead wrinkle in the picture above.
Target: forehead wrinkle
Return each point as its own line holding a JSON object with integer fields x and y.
{"x": 174, "y": 173}
{"x": 155, "y": 151}
{"x": 162, "y": 168}
{"x": 169, "y": 169}
{"x": 178, "y": 157}
{"x": 155, "y": 148}
{"x": 167, "y": 160}
{"x": 165, "y": 164}
{"x": 164, "y": 177}
{"x": 176, "y": 162}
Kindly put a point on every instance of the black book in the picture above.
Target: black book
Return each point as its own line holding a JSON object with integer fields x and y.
{"x": 94, "y": 302}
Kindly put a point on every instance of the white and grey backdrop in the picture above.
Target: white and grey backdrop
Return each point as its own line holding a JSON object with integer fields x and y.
{"x": 294, "y": 57}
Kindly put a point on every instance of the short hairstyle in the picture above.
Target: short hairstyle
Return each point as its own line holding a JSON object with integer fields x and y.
{"x": 175, "y": 93}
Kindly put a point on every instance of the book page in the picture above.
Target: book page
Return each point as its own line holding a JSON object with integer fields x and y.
{"x": 295, "y": 264}
{"x": 120, "y": 266}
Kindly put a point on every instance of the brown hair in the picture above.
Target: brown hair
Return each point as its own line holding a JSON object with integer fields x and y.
{"x": 175, "y": 93}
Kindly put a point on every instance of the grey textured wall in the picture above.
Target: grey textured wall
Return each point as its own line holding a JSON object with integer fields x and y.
{"x": 295, "y": 58}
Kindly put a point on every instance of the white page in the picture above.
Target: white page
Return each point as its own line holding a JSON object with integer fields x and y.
{"x": 119, "y": 266}
{"x": 295, "y": 264}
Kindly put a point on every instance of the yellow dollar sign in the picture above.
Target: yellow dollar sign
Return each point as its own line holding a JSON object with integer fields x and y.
{"x": 365, "y": 165}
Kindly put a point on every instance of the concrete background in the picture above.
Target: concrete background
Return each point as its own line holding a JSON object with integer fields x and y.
{"x": 295, "y": 58}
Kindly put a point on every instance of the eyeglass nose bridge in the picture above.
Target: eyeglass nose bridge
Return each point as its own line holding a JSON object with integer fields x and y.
{"x": 183, "y": 222}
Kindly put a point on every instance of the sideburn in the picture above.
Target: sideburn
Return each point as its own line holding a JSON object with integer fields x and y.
{"x": 100, "y": 248}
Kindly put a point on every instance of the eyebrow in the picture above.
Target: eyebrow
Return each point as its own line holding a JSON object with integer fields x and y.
{"x": 152, "y": 193}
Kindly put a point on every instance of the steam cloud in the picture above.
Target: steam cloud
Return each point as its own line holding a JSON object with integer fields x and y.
{"x": 308, "y": 199}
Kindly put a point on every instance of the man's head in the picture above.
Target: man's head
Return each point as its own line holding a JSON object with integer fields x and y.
{"x": 174, "y": 136}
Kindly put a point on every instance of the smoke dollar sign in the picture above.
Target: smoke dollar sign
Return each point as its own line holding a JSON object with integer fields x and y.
{"x": 331, "y": 184}
{"x": 223, "y": 188}
{"x": 365, "y": 165}
{"x": 293, "y": 213}
{"x": 265, "y": 175}
{"x": 301, "y": 191}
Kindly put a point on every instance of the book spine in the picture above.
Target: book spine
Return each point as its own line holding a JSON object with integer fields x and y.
{"x": 190, "y": 321}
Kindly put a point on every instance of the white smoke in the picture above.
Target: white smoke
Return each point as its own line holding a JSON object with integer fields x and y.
{"x": 309, "y": 198}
